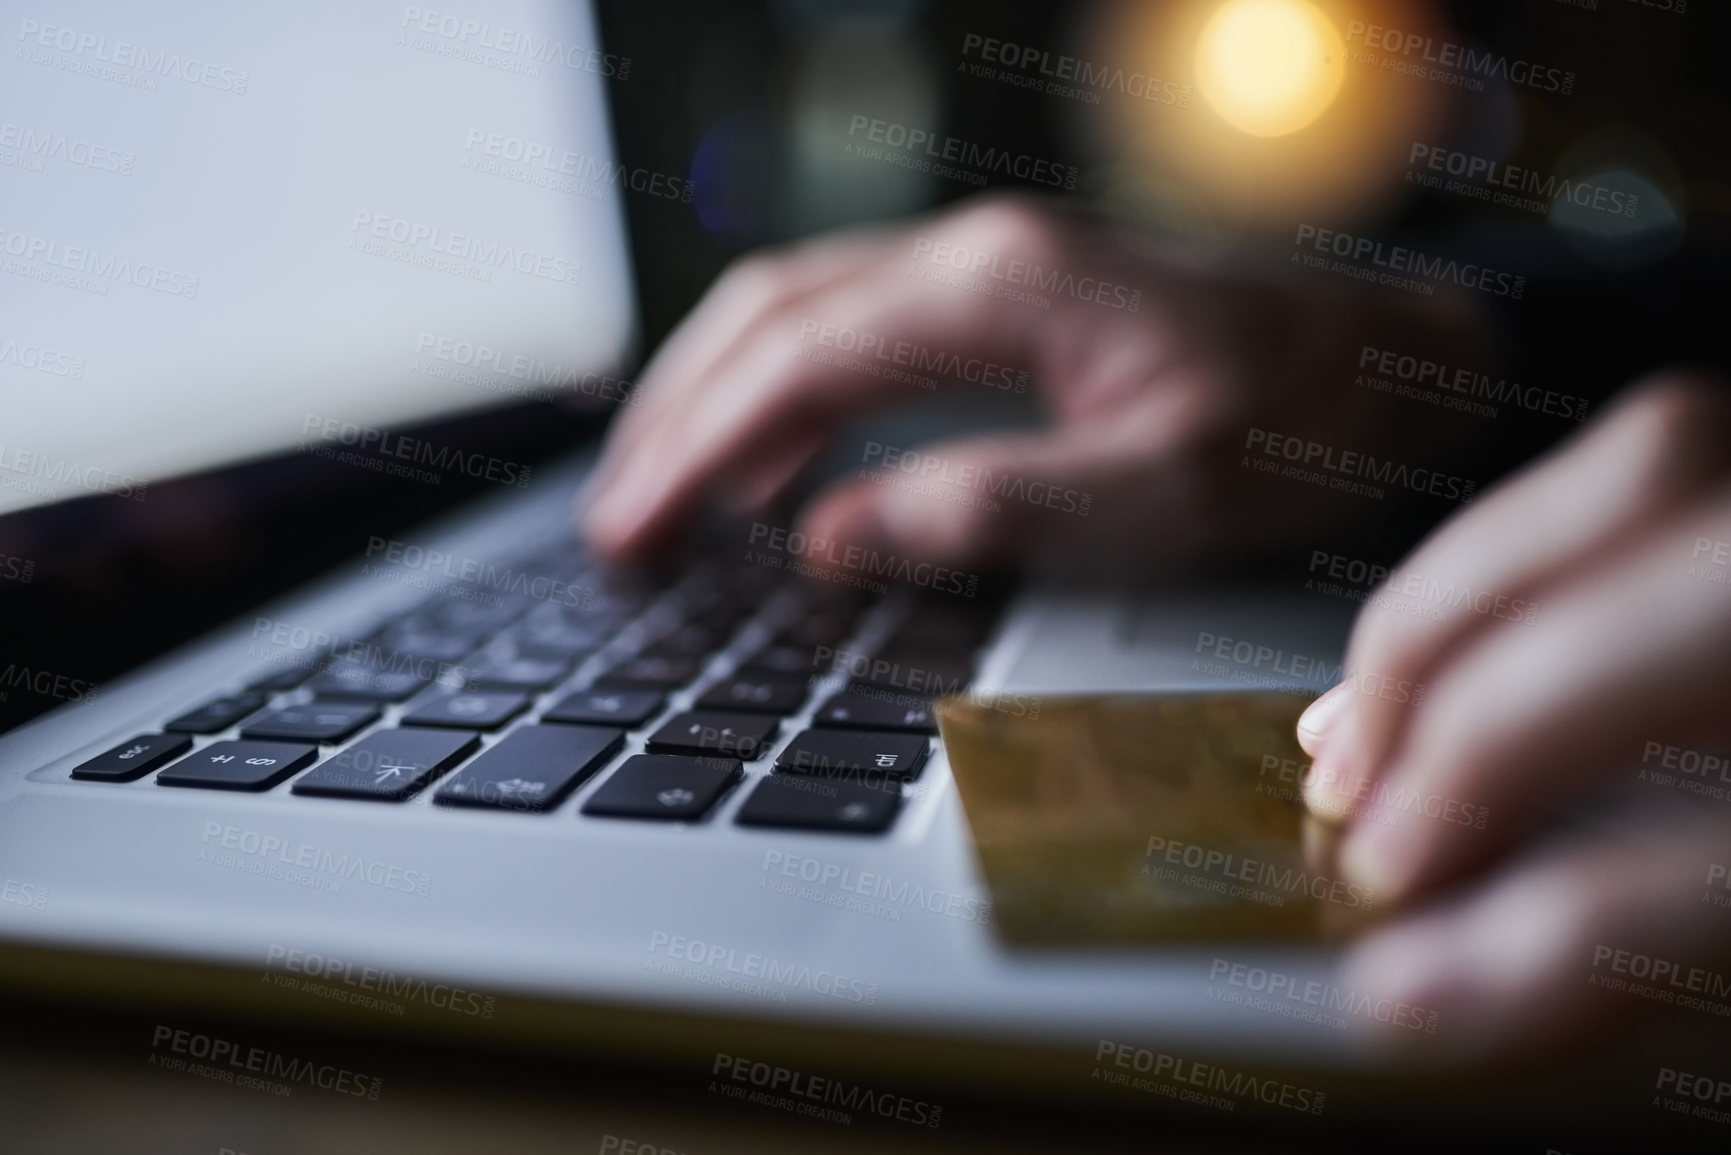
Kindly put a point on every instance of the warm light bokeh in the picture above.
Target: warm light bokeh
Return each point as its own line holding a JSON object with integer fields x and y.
{"x": 1290, "y": 120}
{"x": 1269, "y": 67}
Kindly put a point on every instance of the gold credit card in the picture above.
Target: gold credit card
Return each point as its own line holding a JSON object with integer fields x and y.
{"x": 1145, "y": 818}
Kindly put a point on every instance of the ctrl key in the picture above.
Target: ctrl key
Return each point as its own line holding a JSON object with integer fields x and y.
{"x": 134, "y": 759}
{"x": 239, "y": 766}
{"x": 797, "y": 803}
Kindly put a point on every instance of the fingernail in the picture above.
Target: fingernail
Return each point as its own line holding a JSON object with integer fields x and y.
{"x": 1335, "y": 778}
{"x": 1314, "y": 723}
{"x": 916, "y": 525}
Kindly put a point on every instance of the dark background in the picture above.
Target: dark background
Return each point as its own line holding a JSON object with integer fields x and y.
{"x": 719, "y": 94}
{"x": 117, "y": 583}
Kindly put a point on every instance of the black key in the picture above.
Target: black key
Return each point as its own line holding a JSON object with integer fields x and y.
{"x": 812, "y": 804}
{"x": 134, "y": 759}
{"x": 517, "y": 673}
{"x": 660, "y": 673}
{"x": 286, "y": 678}
{"x": 610, "y": 610}
{"x": 692, "y": 640}
{"x": 628, "y": 708}
{"x": 559, "y": 639}
{"x": 345, "y": 679}
{"x": 623, "y": 585}
{"x": 433, "y": 646}
{"x": 566, "y": 559}
{"x": 779, "y": 660}
{"x": 818, "y": 629}
{"x": 717, "y": 608}
{"x": 238, "y": 766}
{"x": 388, "y": 765}
{"x": 426, "y": 624}
{"x": 928, "y": 673}
{"x": 665, "y": 786}
{"x": 315, "y": 722}
{"x": 468, "y": 711}
{"x": 547, "y": 615}
{"x": 877, "y": 710}
{"x": 715, "y": 732}
{"x": 712, "y": 579}
{"x": 723, "y": 617}
{"x": 217, "y": 715}
{"x": 754, "y": 696}
{"x": 476, "y": 616}
{"x": 855, "y": 754}
{"x": 828, "y": 597}
{"x": 533, "y": 768}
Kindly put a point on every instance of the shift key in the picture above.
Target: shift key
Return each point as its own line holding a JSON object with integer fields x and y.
{"x": 533, "y": 768}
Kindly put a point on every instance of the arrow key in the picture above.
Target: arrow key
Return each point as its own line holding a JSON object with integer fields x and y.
{"x": 389, "y": 765}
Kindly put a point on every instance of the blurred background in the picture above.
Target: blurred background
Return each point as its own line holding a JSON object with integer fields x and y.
{"x": 769, "y": 114}
{"x": 755, "y": 101}
{"x": 762, "y": 116}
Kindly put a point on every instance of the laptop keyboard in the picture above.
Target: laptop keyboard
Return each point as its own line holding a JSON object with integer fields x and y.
{"x": 514, "y": 703}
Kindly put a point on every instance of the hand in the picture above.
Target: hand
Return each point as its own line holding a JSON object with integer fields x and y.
{"x": 1591, "y": 636}
{"x": 1149, "y": 405}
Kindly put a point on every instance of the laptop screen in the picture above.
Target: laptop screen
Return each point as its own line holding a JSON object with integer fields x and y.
{"x": 229, "y": 230}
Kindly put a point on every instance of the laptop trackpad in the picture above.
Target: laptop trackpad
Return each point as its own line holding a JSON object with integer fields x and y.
{"x": 1173, "y": 639}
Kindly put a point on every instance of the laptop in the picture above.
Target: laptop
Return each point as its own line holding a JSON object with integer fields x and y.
{"x": 474, "y": 782}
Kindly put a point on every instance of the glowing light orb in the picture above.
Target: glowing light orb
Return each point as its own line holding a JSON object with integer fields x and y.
{"x": 1269, "y": 67}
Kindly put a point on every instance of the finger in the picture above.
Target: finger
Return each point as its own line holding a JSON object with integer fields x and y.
{"x": 979, "y": 501}
{"x": 766, "y": 392}
{"x": 752, "y": 288}
{"x": 987, "y": 499}
{"x": 1488, "y": 567}
{"x": 617, "y": 505}
{"x": 1517, "y": 964}
{"x": 757, "y": 392}
{"x": 757, "y": 287}
{"x": 758, "y": 482}
{"x": 1319, "y": 717}
{"x": 1631, "y": 651}
{"x": 1124, "y": 491}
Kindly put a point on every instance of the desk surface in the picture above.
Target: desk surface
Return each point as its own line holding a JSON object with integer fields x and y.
{"x": 76, "y": 1079}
